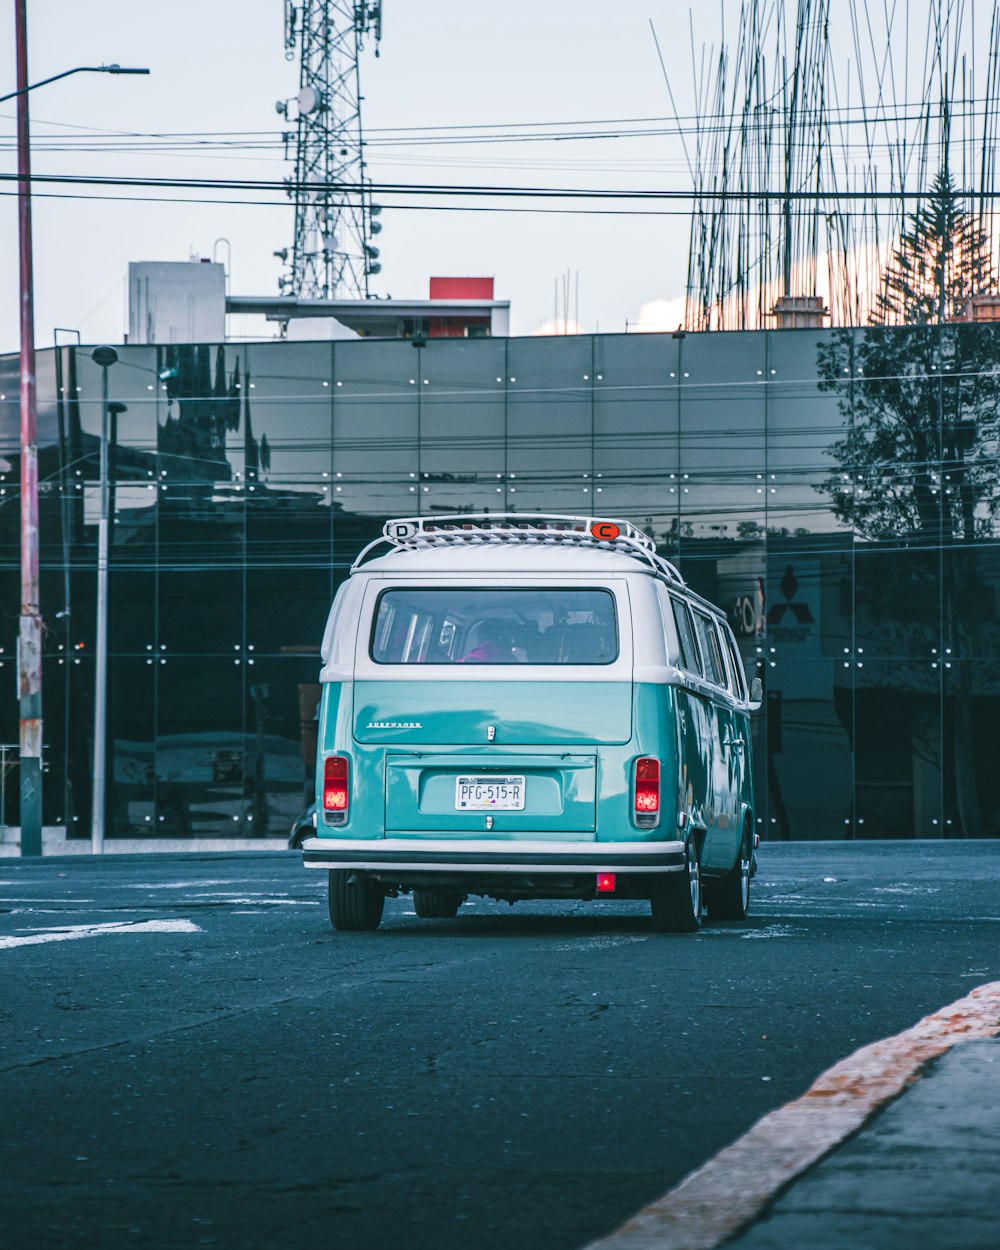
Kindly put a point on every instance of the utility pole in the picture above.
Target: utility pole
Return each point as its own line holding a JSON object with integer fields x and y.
{"x": 29, "y": 650}
{"x": 335, "y": 220}
{"x": 29, "y": 638}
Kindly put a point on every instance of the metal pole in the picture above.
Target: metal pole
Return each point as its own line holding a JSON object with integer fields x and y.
{"x": 29, "y": 654}
{"x": 105, "y": 357}
{"x": 29, "y": 650}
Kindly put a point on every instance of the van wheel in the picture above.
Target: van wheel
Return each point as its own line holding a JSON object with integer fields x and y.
{"x": 430, "y": 905}
{"x": 355, "y": 902}
{"x": 728, "y": 898}
{"x": 676, "y": 898}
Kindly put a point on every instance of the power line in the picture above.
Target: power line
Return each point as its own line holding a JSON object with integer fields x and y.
{"x": 398, "y": 208}
{"x": 720, "y": 194}
{"x": 688, "y": 124}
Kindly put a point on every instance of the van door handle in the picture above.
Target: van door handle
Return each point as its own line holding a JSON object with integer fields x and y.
{"x": 738, "y": 743}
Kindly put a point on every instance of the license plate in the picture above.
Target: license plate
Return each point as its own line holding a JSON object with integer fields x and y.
{"x": 492, "y": 794}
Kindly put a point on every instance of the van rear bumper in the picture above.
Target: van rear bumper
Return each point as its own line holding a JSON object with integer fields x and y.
{"x": 480, "y": 855}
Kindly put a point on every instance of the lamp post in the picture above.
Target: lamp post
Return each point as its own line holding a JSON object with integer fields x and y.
{"x": 29, "y": 650}
{"x": 105, "y": 357}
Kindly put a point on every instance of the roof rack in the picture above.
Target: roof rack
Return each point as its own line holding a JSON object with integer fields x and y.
{"x": 513, "y": 528}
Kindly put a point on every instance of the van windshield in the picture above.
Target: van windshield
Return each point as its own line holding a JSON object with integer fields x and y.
{"x": 495, "y": 625}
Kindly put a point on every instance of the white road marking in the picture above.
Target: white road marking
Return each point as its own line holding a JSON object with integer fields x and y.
{"x": 30, "y": 898}
{"x": 725, "y": 1194}
{"x": 602, "y": 942}
{"x": 768, "y": 931}
{"x": 183, "y": 885}
{"x": 905, "y": 889}
{"x": 239, "y": 900}
{"x": 69, "y": 933}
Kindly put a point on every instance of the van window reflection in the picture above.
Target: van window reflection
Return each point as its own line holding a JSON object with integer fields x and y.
{"x": 495, "y": 626}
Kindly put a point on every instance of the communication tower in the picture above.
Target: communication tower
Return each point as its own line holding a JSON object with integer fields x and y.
{"x": 333, "y": 255}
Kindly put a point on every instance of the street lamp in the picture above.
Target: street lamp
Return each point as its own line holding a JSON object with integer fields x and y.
{"x": 29, "y": 650}
{"x": 79, "y": 69}
{"x": 105, "y": 357}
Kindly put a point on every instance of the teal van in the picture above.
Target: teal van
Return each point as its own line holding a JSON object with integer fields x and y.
{"x": 530, "y": 707}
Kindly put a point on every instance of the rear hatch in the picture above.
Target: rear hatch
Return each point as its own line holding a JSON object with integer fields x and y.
{"x": 503, "y": 760}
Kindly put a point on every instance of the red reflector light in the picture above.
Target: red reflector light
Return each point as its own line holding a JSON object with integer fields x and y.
{"x": 605, "y": 883}
{"x": 606, "y": 531}
{"x": 647, "y": 786}
{"x": 335, "y": 793}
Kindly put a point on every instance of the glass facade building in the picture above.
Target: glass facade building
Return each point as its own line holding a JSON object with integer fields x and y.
{"x": 836, "y": 491}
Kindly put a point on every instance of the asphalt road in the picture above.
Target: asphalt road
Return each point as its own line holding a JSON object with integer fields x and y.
{"x": 200, "y": 1060}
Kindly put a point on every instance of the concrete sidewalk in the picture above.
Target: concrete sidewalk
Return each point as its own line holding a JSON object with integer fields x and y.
{"x": 923, "y": 1174}
{"x": 56, "y": 842}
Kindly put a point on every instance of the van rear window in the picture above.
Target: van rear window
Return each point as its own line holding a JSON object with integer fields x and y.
{"x": 495, "y": 625}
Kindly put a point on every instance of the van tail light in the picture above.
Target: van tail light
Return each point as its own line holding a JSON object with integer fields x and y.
{"x": 336, "y": 792}
{"x": 646, "y": 791}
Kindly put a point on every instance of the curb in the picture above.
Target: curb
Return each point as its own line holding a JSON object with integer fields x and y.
{"x": 725, "y": 1194}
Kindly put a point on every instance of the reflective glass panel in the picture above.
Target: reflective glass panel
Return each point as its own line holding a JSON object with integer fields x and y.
{"x": 636, "y": 431}
{"x": 283, "y": 697}
{"x": 201, "y": 408}
{"x": 131, "y": 800}
{"x": 463, "y": 450}
{"x": 550, "y": 425}
{"x": 286, "y": 421}
{"x": 970, "y": 778}
{"x": 809, "y": 750}
{"x": 206, "y": 763}
{"x": 721, "y": 482}
{"x": 809, "y": 395}
{"x": 133, "y": 383}
{"x": 376, "y": 428}
{"x": 898, "y": 750}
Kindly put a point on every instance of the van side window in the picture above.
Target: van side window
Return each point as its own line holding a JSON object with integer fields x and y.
{"x": 738, "y": 684}
{"x": 715, "y": 669}
{"x": 688, "y": 657}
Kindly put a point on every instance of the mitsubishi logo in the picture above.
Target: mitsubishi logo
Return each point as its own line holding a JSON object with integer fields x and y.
{"x": 789, "y": 586}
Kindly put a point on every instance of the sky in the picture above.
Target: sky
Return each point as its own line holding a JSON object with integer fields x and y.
{"x": 219, "y": 65}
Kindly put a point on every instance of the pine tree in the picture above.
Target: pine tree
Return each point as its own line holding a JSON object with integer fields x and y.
{"x": 942, "y": 257}
{"x": 917, "y": 466}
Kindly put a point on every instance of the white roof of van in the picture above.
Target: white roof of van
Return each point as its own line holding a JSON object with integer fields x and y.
{"x": 515, "y": 542}
{"x": 503, "y": 558}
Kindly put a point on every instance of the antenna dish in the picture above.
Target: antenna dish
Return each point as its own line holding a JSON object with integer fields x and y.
{"x": 309, "y": 100}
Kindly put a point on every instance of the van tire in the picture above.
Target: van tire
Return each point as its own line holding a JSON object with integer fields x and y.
{"x": 728, "y": 897}
{"x": 676, "y": 900}
{"x": 431, "y": 905}
{"x": 355, "y": 902}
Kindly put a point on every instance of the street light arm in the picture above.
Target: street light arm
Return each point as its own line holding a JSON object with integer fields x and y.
{"x": 80, "y": 69}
